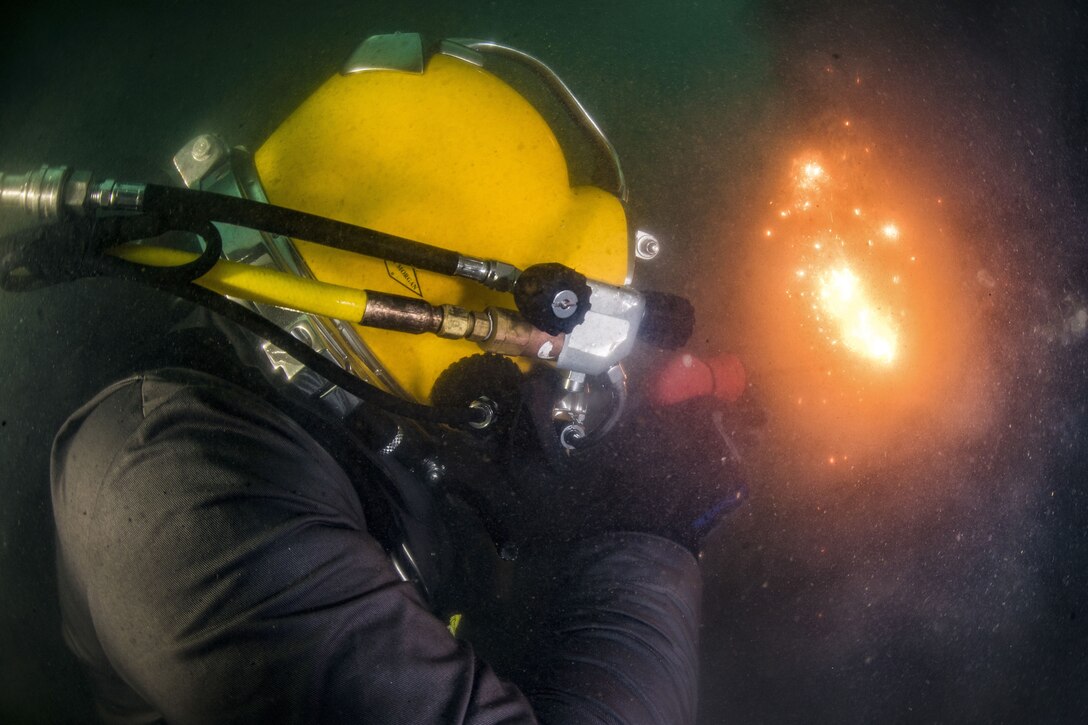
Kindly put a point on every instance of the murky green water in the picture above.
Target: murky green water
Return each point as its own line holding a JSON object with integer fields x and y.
{"x": 933, "y": 570}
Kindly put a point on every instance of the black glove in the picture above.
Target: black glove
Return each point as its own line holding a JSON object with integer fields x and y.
{"x": 672, "y": 471}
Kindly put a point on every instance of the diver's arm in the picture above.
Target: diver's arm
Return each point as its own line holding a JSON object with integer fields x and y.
{"x": 620, "y": 642}
{"x": 217, "y": 567}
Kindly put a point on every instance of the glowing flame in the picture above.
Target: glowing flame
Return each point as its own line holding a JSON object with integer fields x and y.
{"x": 863, "y": 309}
{"x": 862, "y": 327}
{"x": 833, "y": 239}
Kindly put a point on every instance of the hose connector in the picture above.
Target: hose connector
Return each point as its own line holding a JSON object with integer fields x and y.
{"x": 36, "y": 193}
{"x": 491, "y": 273}
{"x": 51, "y": 193}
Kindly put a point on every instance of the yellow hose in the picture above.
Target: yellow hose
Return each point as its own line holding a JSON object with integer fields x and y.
{"x": 259, "y": 284}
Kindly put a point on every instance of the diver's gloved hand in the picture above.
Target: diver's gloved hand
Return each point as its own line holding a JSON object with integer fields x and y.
{"x": 671, "y": 471}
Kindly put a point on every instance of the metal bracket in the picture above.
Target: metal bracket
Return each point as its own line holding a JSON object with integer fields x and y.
{"x": 208, "y": 162}
{"x": 607, "y": 335}
{"x": 198, "y": 158}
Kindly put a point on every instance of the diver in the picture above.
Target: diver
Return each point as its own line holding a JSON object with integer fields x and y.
{"x": 216, "y": 565}
{"x": 269, "y": 522}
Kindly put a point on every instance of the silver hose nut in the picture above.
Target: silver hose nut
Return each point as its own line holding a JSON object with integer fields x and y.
{"x": 646, "y": 245}
{"x": 38, "y": 193}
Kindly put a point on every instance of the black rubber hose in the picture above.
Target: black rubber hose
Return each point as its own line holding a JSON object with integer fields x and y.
{"x": 111, "y": 231}
{"x": 39, "y": 256}
{"x": 186, "y": 206}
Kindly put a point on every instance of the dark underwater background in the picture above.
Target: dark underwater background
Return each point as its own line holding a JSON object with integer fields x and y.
{"x": 943, "y": 576}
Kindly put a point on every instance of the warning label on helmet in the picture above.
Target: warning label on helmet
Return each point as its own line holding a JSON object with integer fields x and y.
{"x": 404, "y": 275}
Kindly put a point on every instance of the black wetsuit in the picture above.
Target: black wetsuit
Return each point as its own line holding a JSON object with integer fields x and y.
{"x": 215, "y": 566}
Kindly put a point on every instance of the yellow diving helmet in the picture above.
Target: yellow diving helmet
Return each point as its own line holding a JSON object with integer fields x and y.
{"x": 436, "y": 149}
{"x": 415, "y": 191}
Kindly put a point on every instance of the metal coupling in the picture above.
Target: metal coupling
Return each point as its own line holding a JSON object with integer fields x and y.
{"x": 511, "y": 334}
{"x": 489, "y": 272}
{"x": 496, "y": 329}
{"x": 51, "y": 192}
{"x": 36, "y": 193}
{"x": 459, "y": 323}
{"x": 114, "y": 196}
{"x": 403, "y": 314}
{"x": 500, "y": 331}
{"x": 415, "y": 316}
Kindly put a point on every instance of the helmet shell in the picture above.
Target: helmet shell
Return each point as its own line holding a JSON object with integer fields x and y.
{"x": 452, "y": 157}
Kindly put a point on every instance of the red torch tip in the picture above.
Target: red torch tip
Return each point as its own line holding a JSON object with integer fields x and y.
{"x": 685, "y": 377}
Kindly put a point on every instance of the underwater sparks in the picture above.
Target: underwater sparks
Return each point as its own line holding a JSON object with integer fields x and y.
{"x": 862, "y": 314}
{"x": 838, "y": 249}
{"x": 862, "y": 322}
{"x": 861, "y": 326}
